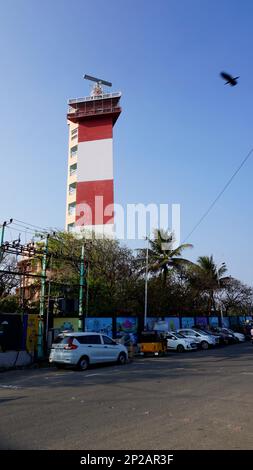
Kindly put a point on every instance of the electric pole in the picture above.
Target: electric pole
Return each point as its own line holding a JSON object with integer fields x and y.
{"x": 81, "y": 285}
{"x": 42, "y": 329}
{"x": 87, "y": 295}
{"x": 2, "y": 237}
{"x": 48, "y": 309}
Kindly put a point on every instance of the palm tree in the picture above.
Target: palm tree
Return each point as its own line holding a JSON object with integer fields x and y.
{"x": 209, "y": 278}
{"x": 162, "y": 254}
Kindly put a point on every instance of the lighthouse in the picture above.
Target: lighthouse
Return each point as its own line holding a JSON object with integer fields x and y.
{"x": 90, "y": 183}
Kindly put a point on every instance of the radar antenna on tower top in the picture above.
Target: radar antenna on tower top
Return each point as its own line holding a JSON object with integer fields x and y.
{"x": 97, "y": 89}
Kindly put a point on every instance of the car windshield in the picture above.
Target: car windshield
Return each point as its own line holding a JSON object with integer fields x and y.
{"x": 203, "y": 332}
{"x": 178, "y": 335}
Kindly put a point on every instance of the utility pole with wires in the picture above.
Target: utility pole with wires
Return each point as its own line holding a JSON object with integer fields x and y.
{"x": 48, "y": 306}
{"x": 81, "y": 286}
{"x": 44, "y": 253}
{"x": 42, "y": 326}
{"x": 87, "y": 295}
{"x": 2, "y": 237}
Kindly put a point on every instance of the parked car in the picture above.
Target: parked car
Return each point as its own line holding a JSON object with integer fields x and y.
{"x": 227, "y": 337}
{"x": 240, "y": 337}
{"x": 82, "y": 349}
{"x": 179, "y": 343}
{"x": 205, "y": 340}
{"x": 218, "y": 336}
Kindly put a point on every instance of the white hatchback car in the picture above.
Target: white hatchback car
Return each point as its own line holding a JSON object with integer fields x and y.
{"x": 204, "y": 339}
{"x": 82, "y": 349}
{"x": 179, "y": 343}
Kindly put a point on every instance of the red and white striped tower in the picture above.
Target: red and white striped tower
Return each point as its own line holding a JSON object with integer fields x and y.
{"x": 90, "y": 192}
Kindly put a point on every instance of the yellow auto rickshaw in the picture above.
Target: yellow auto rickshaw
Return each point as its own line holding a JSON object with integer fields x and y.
{"x": 153, "y": 343}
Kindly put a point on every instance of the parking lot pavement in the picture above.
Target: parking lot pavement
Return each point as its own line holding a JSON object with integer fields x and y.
{"x": 198, "y": 400}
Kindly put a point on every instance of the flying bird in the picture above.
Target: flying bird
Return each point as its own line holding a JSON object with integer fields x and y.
{"x": 229, "y": 79}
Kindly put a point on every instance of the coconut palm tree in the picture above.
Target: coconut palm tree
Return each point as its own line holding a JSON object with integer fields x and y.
{"x": 162, "y": 255}
{"x": 209, "y": 278}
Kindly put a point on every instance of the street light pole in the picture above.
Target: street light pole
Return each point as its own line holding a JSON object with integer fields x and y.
{"x": 221, "y": 310}
{"x": 146, "y": 287}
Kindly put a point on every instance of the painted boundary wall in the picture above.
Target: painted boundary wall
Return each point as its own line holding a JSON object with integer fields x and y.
{"x": 117, "y": 327}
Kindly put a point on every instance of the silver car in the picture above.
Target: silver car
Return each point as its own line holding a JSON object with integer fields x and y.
{"x": 204, "y": 339}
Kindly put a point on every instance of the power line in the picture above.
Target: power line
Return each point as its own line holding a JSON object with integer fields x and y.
{"x": 23, "y": 231}
{"x": 28, "y": 228}
{"x": 32, "y": 225}
{"x": 19, "y": 273}
{"x": 219, "y": 195}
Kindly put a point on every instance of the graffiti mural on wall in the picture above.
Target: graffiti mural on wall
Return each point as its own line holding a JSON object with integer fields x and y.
{"x": 225, "y": 322}
{"x": 151, "y": 323}
{"x": 161, "y": 325}
{"x": 188, "y": 322}
{"x": 64, "y": 324}
{"x": 127, "y": 326}
{"x": 32, "y": 332}
{"x": 214, "y": 321}
{"x": 173, "y": 323}
{"x": 99, "y": 325}
{"x": 201, "y": 322}
{"x": 233, "y": 321}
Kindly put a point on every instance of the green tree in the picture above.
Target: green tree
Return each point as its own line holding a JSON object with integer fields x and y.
{"x": 163, "y": 256}
{"x": 112, "y": 272}
{"x": 9, "y": 304}
{"x": 236, "y": 297}
{"x": 8, "y": 282}
{"x": 208, "y": 278}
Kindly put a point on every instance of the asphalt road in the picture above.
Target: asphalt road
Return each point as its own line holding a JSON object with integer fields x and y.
{"x": 198, "y": 400}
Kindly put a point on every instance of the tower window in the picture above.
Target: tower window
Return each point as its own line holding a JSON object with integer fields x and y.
{"x": 71, "y": 227}
{"x": 72, "y": 189}
{"x": 73, "y": 151}
{"x": 73, "y": 169}
{"x": 74, "y": 133}
{"x": 72, "y": 208}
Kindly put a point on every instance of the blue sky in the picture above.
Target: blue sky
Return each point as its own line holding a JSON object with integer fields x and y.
{"x": 182, "y": 133}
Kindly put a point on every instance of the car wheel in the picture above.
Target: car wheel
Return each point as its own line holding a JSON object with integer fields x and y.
{"x": 204, "y": 345}
{"x": 83, "y": 363}
{"x": 122, "y": 359}
{"x": 180, "y": 348}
